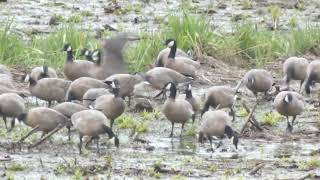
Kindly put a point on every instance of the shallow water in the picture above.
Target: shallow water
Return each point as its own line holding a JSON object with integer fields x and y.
{"x": 178, "y": 157}
{"x": 33, "y": 16}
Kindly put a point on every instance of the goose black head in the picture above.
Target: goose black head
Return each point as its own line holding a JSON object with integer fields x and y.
{"x": 201, "y": 136}
{"x": 233, "y": 135}
{"x": 96, "y": 56}
{"x": 115, "y": 85}
{"x": 30, "y": 80}
{"x": 287, "y": 98}
{"x": 20, "y": 117}
{"x": 45, "y": 71}
{"x": 112, "y": 136}
{"x": 67, "y": 47}
{"x": 86, "y": 53}
{"x": 168, "y": 41}
{"x": 171, "y": 43}
{"x": 188, "y": 91}
{"x": 250, "y": 81}
{"x": 172, "y": 88}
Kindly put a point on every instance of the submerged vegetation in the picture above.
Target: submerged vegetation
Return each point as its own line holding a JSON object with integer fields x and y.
{"x": 248, "y": 43}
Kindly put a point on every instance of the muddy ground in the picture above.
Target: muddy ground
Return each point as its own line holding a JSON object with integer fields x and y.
{"x": 153, "y": 154}
{"x": 36, "y": 16}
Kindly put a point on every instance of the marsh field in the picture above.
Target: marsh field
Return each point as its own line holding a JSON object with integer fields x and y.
{"x": 228, "y": 37}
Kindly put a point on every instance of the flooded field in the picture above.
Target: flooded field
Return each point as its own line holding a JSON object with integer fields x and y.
{"x": 152, "y": 154}
{"x": 270, "y": 154}
{"x": 39, "y": 16}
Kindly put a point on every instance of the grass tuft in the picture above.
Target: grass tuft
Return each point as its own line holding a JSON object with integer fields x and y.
{"x": 271, "y": 119}
{"x": 191, "y": 130}
{"x": 17, "y": 167}
{"x": 127, "y": 121}
{"x": 247, "y": 44}
{"x": 313, "y": 163}
{"x": 247, "y": 4}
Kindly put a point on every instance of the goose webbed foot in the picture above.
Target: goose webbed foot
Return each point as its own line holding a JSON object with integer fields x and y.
{"x": 289, "y": 128}
{"x": 210, "y": 150}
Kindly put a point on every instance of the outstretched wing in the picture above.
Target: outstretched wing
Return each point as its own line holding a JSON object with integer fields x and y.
{"x": 112, "y": 55}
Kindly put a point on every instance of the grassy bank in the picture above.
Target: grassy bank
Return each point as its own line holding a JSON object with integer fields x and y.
{"x": 247, "y": 43}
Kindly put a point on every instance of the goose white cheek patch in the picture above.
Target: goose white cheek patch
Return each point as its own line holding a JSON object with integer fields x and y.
{"x": 27, "y": 78}
{"x": 95, "y": 58}
{"x": 171, "y": 43}
{"x": 95, "y": 54}
{"x": 113, "y": 85}
{"x": 189, "y": 87}
{"x": 250, "y": 81}
{"x": 111, "y": 140}
{"x": 286, "y": 99}
{"x": 86, "y": 53}
{"x": 169, "y": 86}
{"x": 231, "y": 139}
{"x": 69, "y": 48}
{"x": 235, "y": 97}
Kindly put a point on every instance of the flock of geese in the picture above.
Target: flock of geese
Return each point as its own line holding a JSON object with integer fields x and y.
{"x": 92, "y": 94}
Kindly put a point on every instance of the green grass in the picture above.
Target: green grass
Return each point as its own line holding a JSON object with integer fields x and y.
{"x": 243, "y": 112}
{"x": 313, "y": 163}
{"x": 48, "y": 49}
{"x": 12, "y": 47}
{"x": 190, "y": 32}
{"x": 42, "y": 49}
{"x": 17, "y": 167}
{"x": 247, "y": 4}
{"x": 271, "y": 119}
{"x": 275, "y": 15}
{"x": 248, "y": 43}
{"x": 127, "y": 121}
{"x": 191, "y": 130}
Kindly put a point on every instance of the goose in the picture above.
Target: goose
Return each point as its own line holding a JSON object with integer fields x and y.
{"x": 87, "y": 53}
{"x": 313, "y": 74}
{"x": 48, "y": 89}
{"x": 43, "y": 119}
{"x": 111, "y": 105}
{"x": 127, "y": 83}
{"x": 158, "y": 77}
{"x": 295, "y": 68}
{"x": 69, "y": 108}
{"x": 182, "y": 65}
{"x": 80, "y": 86}
{"x": 74, "y": 69}
{"x": 5, "y": 89}
{"x": 110, "y": 61}
{"x": 43, "y": 72}
{"x": 92, "y": 94}
{"x": 5, "y": 70}
{"x": 6, "y": 81}
{"x": 192, "y": 100}
{"x": 11, "y": 105}
{"x": 163, "y": 54}
{"x": 289, "y": 103}
{"x": 93, "y": 123}
{"x": 257, "y": 80}
{"x": 176, "y": 110}
{"x": 214, "y": 123}
{"x": 220, "y": 97}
